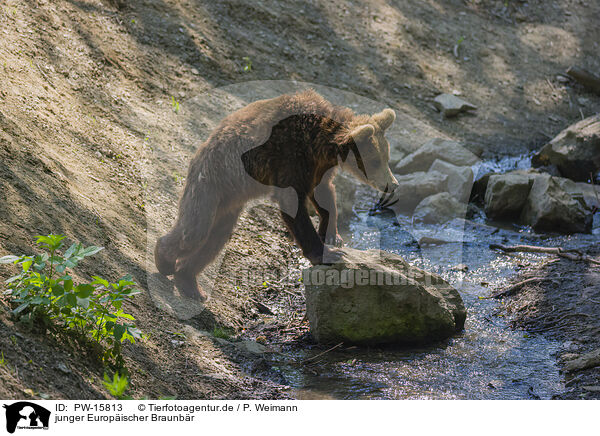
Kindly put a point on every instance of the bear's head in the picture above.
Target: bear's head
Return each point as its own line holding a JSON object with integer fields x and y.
{"x": 369, "y": 151}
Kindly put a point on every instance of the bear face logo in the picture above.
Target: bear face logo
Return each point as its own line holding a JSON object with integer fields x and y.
{"x": 24, "y": 414}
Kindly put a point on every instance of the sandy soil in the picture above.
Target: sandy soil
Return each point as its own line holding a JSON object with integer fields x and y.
{"x": 88, "y": 131}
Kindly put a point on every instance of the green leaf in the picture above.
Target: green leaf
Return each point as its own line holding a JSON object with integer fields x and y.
{"x": 26, "y": 265}
{"x": 89, "y": 251}
{"x": 72, "y": 249}
{"x": 52, "y": 241}
{"x": 83, "y": 302}
{"x": 21, "y": 308}
{"x": 68, "y": 284}
{"x": 40, "y": 301}
{"x": 132, "y": 292}
{"x": 58, "y": 290}
{"x": 100, "y": 281}
{"x": 9, "y": 259}
{"x": 84, "y": 290}
{"x": 70, "y": 299}
{"x": 70, "y": 263}
{"x": 134, "y": 331}
{"x": 124, "y": 315}
{"x": 118, "y": 331}
{"x": 66, "y": 311}
{"x": 13, "y": 278}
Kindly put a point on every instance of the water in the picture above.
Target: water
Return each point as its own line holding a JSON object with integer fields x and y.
{"x": 488, "y": 360}
{"x": 502, "y": 165}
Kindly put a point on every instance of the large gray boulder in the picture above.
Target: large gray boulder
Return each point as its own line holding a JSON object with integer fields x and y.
{"x": 506, "y": 195}
{"x": 415, "y": 187}
{"x": 555, "y": 205}
{"x": 460, "y": 179}
{"x": 575, "y": 151}
{"x": 376, "y": 297}
{"x": 439, "y": 208}
{"x": 443, "y": 149}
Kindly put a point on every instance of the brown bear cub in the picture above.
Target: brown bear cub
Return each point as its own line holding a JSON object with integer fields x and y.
{"x": 287, "y": 148}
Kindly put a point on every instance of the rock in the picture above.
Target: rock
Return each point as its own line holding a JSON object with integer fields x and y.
{"x": 250, "y": 347}
{"x": 479, "y": 188}
{"x": 575, "y": 150}
{"x": 439, "y": 208}
{"x": 506, "y": 195}
{"x": 553, "y": 205}
{"x": 413, "y": 188}
{"x": 474, "y": 212}
{"x": 568, "y": 356}
{"x": 460, "y": 179}
{"x": 591, "y": 388}
{"x": 542, "y": 201}
{"x": 496, "y": 384}
{"x": 549, "y": 169}
{"x": 63, "y": 368}
{"x": 376, "y": 297}
{"x": 451, "y": 105}
{"x": 461, "y": 267}
{"x": 442, "y": 149}
{"x": 586, "y": 361}
{"x": 590, "y": 193}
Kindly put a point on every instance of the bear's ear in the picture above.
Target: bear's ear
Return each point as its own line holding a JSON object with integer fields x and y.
{"x": 362, "y": 133}
{"x": 385, "y": 118}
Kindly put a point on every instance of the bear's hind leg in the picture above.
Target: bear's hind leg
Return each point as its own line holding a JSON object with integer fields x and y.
{"x": 188, "y": 268}
{"x": 166, "y": 252}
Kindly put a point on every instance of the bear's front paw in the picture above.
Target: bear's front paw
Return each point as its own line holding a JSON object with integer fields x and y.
{"x": 334, "y": 240}
{"x": 330, "y": 256}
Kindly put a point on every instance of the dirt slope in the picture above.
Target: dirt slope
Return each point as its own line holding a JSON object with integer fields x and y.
{"x": 86, "y": 91}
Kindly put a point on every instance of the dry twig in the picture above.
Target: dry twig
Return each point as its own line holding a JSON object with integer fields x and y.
{"x": 321, "y": 354}
{"x": 567, "y": 254}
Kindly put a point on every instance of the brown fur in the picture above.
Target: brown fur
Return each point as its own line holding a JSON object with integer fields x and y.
{"x": 287, "y": 147}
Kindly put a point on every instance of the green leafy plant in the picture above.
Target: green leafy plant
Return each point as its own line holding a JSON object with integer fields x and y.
{"x": 177, "y": 178}
{"x": 247, "y": 64}
{"x": 222, "y": 333}
{"x": 456, "y": 47}
{"x": 117, "y": 385}
{"x": 44, "y": 293}
{"x": 175, "y": 104}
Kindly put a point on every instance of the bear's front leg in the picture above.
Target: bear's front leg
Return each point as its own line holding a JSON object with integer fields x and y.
{"x": 304, "y": 233}
{"x": 323, "y": 198}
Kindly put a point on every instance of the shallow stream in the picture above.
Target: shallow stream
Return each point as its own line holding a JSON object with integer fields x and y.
{"x": 488, "y": 360}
